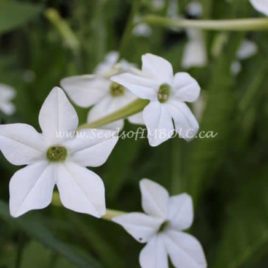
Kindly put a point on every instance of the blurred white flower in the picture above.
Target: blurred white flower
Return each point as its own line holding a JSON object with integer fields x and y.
{"x": 161, "y": 227}
{"x": 195, "y": 54}
{"x": 194, "y": 8}
{"x": 7, "y": 93}
{"x": 99, "y": 91}
{"x": 142, "y": 29}
{"x": 167, "y": 94}
{"x": 158, "y": 4}
{"x": 57, "y": 156}
{"x": 247, "y": 50}
{"x": 260, "y": 5}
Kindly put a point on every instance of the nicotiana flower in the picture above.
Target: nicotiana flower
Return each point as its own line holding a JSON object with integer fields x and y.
{"x": 99, "y": 91}
{"x": 167, "y": 94}
{"x": 260, "y": 5}
{"x": 7, "y": 93}
{"x": 57, "y": 156}
{"x": 195, "y": 53}
{"x": 246, "y": 50}
{"x": 194, "y": 8}
{"x": 161, "y": 227}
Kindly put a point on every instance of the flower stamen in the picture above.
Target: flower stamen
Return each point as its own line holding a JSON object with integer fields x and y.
{"x": 57, "y": 153}
{"x": 117, "y": 90}
{"x": 163, "y": 226}
{"x": 163, "y": 93}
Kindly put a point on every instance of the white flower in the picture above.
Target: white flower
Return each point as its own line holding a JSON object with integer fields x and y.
{"x": 142, "y": 29}
{"x": 158, "y": 4}
{"x": 245, "y": 51}
{"x": 195, "y": 54}
{"x": 161, "y": 227}
{"x": 167, "y": 93}
{"x": 99, "y": 91}
{"x": 194, "y": 8}
{"x": 7, "y": 93}
{"x": 260, "y": 5}
{"x": 56, "y": 157}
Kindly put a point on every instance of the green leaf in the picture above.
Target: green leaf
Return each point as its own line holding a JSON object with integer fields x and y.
{"x": 245, "y": 234}
{"x": 36, "y": 255}
{"x": 208, "y": 154}
{"x": 36, "y": 230}
{"x": 15, "y": 14}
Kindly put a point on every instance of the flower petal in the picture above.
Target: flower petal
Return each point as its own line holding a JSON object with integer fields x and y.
{"x": 81, "y": 190}
{"x": 6, "y": 92}
{"x": 195, "y": 54}
{"x": 158, "y": 122}
{"x": 107, "y": 64}
{"x": 186, "y": 87}
{"x": 31, "y": 188}
{"x": 184, "y": 250}
{"x": 157, "y": 68}
{"x": 139, "y": 225}
{"x": 85, "y": 90}
{"x": 21, "y": 144}
{"x": 57, "y": 115}
{"x": 136, "y": 119}
{"x": 154, "y": 254}
{"x": 92, "y": 147}
{"x": 154, "y": 198}
{"x": 260, "y": 5}
{"x": 181, "y": 211}
{"x": 7, "y": 108}
{"x": 247, "y": 49}
{"x": 185, "y": 122}
{"x": 141, "y": 86}
{"x": 109, "y": 105}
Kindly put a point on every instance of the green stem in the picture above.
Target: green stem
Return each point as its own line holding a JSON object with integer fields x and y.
{"x": 110, "y": 214}
{"x": 255, "y": 24}
{"x": 129, "y": 27}
{"x": 133, "y": 108}
{"x": 63, "y": 28}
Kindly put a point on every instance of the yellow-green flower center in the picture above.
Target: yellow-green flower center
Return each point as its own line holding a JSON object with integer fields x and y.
{"x": 163, "y": 93}
{"x": 117, "y": 90}
{"x": 163, "y": 226}
{"x": 57, "y": 153}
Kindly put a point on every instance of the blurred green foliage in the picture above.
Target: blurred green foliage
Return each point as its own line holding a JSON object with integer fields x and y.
{"x": 227, "y": 176}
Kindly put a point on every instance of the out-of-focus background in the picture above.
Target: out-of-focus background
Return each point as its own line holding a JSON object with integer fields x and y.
{"x": 42, "y": 42}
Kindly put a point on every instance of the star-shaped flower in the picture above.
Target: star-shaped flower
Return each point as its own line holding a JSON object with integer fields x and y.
{"x": 57, "y": 156}
{"x": 260, "y": 5}
{"x": 7, "y": 93}
{"x": 161, "y": 227}
{"x": 167, "y": 93}
{"x": 98, "y": 91}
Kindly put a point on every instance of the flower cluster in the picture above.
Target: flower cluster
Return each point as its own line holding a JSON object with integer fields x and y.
{"x": 60, "y": 154}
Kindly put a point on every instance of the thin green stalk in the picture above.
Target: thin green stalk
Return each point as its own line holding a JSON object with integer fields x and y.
{"x": 129, "y": 27}
{"x": 63, "y": 28}
{"x": 255, "y": 24}
{"x": 133, "y": 108}
{"x": 20, "y": 250}
{"x": 109, "y": 215}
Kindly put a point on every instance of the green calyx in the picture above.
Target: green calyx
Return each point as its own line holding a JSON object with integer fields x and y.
{"x": 117, "y": 90}
{"x": 57, "y": 153}
{"x": 163, "y": 93}
{"x": 163, "y": 226}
